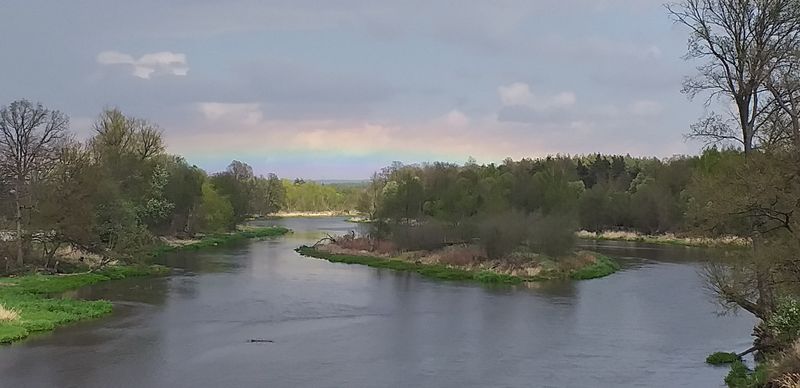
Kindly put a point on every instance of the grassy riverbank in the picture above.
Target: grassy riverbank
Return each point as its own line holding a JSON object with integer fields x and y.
{"x": 603, "y": 266}
{"x": 31, "y": 303}
{"x": 220, "y": 239}
{"x": 36, "y": 307}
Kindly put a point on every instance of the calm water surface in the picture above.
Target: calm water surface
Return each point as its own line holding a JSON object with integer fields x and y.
{"x": 337, "y": 325}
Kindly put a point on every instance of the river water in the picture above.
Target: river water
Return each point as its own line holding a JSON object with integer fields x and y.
{"x": 337, "y": 325}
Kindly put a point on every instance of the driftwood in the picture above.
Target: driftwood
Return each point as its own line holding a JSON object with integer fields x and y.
{"x": 327, "y": 238}
{"x": 746, "y": 352}
{"x": 259, "y": 341}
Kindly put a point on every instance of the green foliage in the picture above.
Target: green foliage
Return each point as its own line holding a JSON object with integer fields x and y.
{"x": 36, "y": 299}
{"x": 307, "y": 196}
{"x": 722, "y": 358}
{"x": 785, "y": 321}
{"x": 10, "y": 333}
{"x": 741, "y": 376}
{"x": 225, "y": 238}
{"x": 428, "y": 270}
{"x": 602, "y": 267}
{"x": 215, "y": 213}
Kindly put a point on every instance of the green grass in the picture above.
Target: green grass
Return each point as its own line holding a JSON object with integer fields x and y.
{"x": 722, "y": 358}
{"x": 602, "y": 267}
{"x": 435, "y": 271}
{"x": 224, "y": 239}
{"x": 34, "y": 298}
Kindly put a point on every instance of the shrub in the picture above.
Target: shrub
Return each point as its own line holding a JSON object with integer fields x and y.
{"x": 741, "y": 376}
{"x": 554, "y": 234}
{"x": 459, "y": 255}
{"x": 721, "y": 358}
{"x": 785, "y": 322}
{"x": 501, "y": 234}
{"x": 426, "y": 235}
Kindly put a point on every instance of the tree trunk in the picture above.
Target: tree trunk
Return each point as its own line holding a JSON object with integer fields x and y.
{"x": 20, "y": 259}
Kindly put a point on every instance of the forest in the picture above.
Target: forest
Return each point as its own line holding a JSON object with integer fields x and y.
{"x": 555, "y": 196}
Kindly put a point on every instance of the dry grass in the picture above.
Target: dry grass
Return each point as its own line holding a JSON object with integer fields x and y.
{"x": 790, "y": 380}
{"x": 785, "y": 368}
{"x": 8, "y": 315}
{"x": 460, "y": 255}
{"x": 667, "y": 238}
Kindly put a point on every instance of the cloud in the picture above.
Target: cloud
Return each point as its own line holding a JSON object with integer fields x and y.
{"x": 160, "y": 63}
{"x": 646, "y": 108}
{"x": 456, "y": 118}
{"x": 519, "y": 94}
{"x": 246, "y": 113}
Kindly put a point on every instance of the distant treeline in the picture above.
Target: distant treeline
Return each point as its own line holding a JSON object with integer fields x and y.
{"x": 310, "y": 196}
{"x": 534, "y": 202}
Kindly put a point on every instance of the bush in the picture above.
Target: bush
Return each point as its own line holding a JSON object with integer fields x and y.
{"x": 554, "y": 234}
{"x": 785, "y": 322}
{"x": 425, "y": 235}
{"x": 722, "y": 358}
{"x": 460, "y": 255}
{"x": 501, "y": 234}
{"x": 741, "y": 376}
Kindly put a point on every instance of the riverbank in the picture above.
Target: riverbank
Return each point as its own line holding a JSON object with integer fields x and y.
{"x": 585, "y": 265}
{"x": 35, "y": 306}
{"x": 32, "y": 303}
{"x": 316, "y": 214}
{"x": 213, "y": 240}
{"x": 666, "y": 239}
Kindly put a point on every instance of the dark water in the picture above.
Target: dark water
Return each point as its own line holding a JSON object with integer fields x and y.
{"x": 335, "y": 325}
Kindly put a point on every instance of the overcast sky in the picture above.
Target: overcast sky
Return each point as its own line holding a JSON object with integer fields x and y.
{"x": 340, "y": 88}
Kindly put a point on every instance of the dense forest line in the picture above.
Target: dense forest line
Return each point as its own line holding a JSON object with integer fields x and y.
{"x": 594, "y": 192}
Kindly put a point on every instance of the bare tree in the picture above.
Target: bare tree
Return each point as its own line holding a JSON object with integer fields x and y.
{"x": 743, "y": 41}
{"x": 29, "y": 138}
{"x": 784, "y": 87}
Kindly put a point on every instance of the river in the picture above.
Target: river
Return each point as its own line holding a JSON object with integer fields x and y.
{"x": 336, "y": 325}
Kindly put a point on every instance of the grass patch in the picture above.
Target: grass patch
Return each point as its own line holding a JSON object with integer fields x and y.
{"x": 436, "y": 271}
{"x": 603, "y": 266}
{"x": 722, "y": 358}
{"x": 33, "y": 298}
{"x": 37, "y": 307}
{"x": 224, "y": 239}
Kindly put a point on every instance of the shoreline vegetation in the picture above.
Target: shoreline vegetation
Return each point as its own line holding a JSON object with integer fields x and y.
{"x": 665, "y": 239}
{"x": 312, "y": 214}
{"x": 605, "y": 235}
{"x": 35, "y": 303}
{"x": 452, "y": 263}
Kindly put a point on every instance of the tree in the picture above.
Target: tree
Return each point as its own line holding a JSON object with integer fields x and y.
{"x": 275, "y": 194}
{"x": 743, "y": 41}
{"x": 236, "y": 183}
{"x": 215, "y": 213}
{"x": 30, "y": 135}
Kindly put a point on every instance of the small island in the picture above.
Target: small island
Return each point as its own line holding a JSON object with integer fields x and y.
{"x": 465, "y": 262}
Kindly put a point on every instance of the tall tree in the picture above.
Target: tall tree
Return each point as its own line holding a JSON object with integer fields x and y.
{"x": 743, "y": 41}
{"x": 30, "y": 135}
